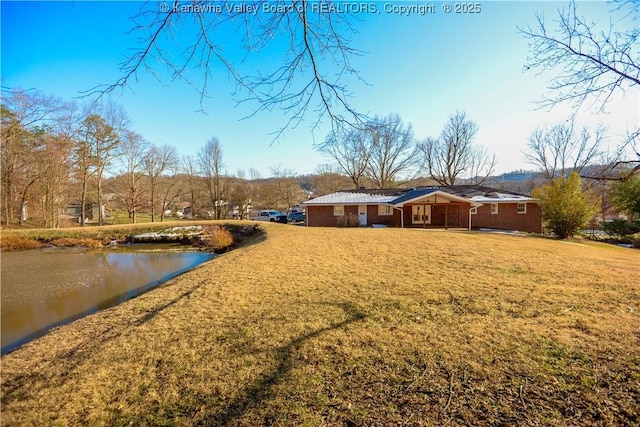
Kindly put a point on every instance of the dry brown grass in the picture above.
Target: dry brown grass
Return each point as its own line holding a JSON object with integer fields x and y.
{"x": 67, "y": 242}
{"x": 15, "y": 243}
{"x": 318, "y": 326}
{"x": 216, "y": 237}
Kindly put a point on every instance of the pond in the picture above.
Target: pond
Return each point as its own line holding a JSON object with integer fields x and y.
{"x": 42, "y": 289}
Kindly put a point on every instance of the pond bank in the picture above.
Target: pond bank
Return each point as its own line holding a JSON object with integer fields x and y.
{"x": 45, "y": 288}
{"x": 208, "y": 235}
{"x": 105, "y": 284}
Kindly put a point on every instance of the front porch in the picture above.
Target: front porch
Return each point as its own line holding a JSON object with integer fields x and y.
{"x": 435, "y": 210}
{"x": 432, "y": 215}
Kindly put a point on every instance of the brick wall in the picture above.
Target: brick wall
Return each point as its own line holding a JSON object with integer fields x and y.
{"x": 322, "y": 216}
{"x": 389, "y": 220}
{"x": 508, "y": 218}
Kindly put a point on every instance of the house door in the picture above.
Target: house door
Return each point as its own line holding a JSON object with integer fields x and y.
{"x": 421, "y": 214}
{"x": 362, "y": 215}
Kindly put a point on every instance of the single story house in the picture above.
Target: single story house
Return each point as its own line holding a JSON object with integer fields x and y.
{"x": 73, "y": 210}
{"x": 457, "y": 206}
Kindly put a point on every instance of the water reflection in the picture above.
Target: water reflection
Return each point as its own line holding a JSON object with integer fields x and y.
{"x": 46, "y": 288}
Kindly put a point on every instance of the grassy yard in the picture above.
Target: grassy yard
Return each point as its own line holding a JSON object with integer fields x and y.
{"x": 315, "y": 326}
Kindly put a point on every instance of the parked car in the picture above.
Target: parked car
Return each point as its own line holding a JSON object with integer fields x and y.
{"x": 271, "y": 216}
{"x": 296, "y": 217}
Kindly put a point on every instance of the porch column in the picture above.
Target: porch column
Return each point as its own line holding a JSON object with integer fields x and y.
{"x": 424, "y": 216}
{"x": 446, "y": 217}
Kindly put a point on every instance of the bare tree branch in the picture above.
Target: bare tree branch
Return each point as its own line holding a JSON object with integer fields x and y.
{"x": 393, "y": 152}
{"x": 455, "y": 153}
{"x": 351, "y": 150}
{"x": 593, "y": 64}
{"x": 311, "y": 78}
{"x": 560, "y": 149}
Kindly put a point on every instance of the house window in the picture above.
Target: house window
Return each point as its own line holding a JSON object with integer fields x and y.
{"x": 338, "y": 210}
{"x": 385, "y": 210}
{"x": 474, "y": 210}
{"x": 522, "y": 208}
{"x": 494, "y": 208}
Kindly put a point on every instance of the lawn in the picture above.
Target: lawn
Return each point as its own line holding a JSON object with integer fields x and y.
{"x": 323, "y": 326}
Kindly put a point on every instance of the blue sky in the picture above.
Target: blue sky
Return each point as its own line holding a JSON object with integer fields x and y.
{"x": 423, "y": 68}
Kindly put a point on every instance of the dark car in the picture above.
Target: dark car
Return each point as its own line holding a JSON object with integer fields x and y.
{"x": 296, "y": 217}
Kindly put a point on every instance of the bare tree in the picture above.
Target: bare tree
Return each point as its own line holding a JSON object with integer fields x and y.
{"x": 102, "y": 141}
{"x": 211, "y": 165}
{"x": 482, "y": 165}
{"x": 32, "y": 170}
{"x": 83, "y": 161}
{"x": 455, "y": 153}
{"x": 617, "y": 166}
{"x": 314, "y": 65}
{"x": 256, "y": 189}
{"x": 593, "y": 63}
{"x": 393, "y": 151}
{"x": 133, "y": 152}
{"x": 157, "y": 161}
{"x": 59, "y": 182}
{"x": 171, "y": 188}
{"x": 54, "y": 162}
{"x": 26, "y": 117}
{"x": 328, "y": 179}
{"x": 193, "y": 181}
{"x": 286, "y": 188}
{"x": 28, "y": 108}
{"x": 351, "y": 148}
{"x": 240, "y": 195}
{"x": 561, "y": 148}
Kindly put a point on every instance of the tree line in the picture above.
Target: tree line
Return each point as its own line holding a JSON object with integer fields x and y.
{"x": 55, "y": 153}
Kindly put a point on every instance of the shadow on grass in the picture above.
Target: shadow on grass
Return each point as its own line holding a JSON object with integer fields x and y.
{"x": 24, "y": 385}
{"x": 261, "y": 390}
{"x": 19, "y": 386}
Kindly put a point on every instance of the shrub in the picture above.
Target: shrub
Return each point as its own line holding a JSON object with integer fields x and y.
{"x": 349, "y": 220}
{"x": 565, "y": 205}
{"x": 13, "y": 243}
{"x": 216, "y": 237}
{"x": 621, "y": 229}
{"x": 625, "y": 196}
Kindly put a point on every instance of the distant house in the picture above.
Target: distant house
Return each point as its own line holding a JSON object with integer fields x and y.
{"x": 454, "y": 206}
{"x": 73, "y": 210}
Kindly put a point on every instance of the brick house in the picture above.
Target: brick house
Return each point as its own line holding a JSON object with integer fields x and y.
{"x": 455, "y": 206}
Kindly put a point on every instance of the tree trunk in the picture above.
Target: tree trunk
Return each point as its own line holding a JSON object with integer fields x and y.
{"x": 83, "y": 200}
{"x": 153, "y": 201}
{"x": 23, "y": 201}
{"x": 99, "y": 184}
